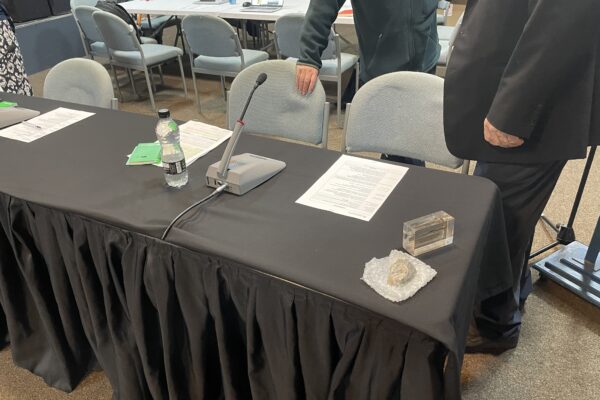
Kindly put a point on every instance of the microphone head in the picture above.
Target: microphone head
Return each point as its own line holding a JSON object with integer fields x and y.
{"x": 261, "y": 79}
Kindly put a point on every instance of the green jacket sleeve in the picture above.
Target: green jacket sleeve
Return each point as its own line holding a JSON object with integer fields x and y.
{"x": 315, "y": 33}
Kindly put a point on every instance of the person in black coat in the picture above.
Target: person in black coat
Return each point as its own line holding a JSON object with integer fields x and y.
{"x": 522, "y": 96}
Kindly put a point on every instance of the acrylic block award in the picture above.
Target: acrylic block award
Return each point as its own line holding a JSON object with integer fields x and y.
{"x": 428, "y": 233}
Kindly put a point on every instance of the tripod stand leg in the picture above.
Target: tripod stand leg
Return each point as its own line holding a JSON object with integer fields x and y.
{"x": 549, "y": 222}
{"x": 543, "y": 249}
{"x": 565, "y": 233}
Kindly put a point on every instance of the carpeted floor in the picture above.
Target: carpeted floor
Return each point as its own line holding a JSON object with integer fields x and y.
{"x": 558, "y": 354}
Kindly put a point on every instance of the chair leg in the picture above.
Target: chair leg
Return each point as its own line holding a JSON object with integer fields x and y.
{"x": 339, "y": 102}
{"x": 162, "y": 77}
{"x": 196, "y": 92}
{"x": 185, "y": 92}
{"x": 114, "y": 71}
{"x": 149, "y": 83}
{"x": 244, "y": 33}
{"x": 132, "y": 83}
{"x": 223, "y": 88}
{"x": 152, "y": 80}
{"x": 178, "y": 34}
{"x": 465, "y": 167}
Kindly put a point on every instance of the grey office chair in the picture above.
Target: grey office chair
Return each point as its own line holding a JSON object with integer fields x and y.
{"x": 215, "y": 49}
{"x": 93, "y": 42}
{"x": 277, "y": 108}
{"x": 80, "y": 81}
{"x": 288, "y": 30}
{"x": 447, "y": 35}
{"x": 126, "y": 51}
{"x": 400, "y": 113}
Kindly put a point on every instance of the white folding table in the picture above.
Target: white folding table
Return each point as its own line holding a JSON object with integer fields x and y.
{"x": 233, "y": 11}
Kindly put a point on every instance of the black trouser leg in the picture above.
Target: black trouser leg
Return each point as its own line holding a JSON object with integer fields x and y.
{"x": 525, "y": 191}
{"x": 351, "y": 89}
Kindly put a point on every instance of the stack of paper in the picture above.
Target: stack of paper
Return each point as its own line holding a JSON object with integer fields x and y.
{"x": 44, "y": 124}
{"x": 198, "y": 139}
{"x": 354, "y": 187}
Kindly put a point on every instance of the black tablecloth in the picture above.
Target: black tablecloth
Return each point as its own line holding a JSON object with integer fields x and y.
{"x": 254, "y": 296}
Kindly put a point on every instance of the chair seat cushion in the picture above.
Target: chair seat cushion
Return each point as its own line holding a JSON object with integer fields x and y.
{"x": 99, "y": 49}
{"x": 230, "y": 64}
{"x": 444, "y": 32}
{"x": 329, "y": 67}
{"x": 153, "y": 54}
{"x": 443, "y": 60}
{"x": 147, "y": 40}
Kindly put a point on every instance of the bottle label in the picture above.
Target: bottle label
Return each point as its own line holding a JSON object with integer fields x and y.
{"x": 174, "y": 168}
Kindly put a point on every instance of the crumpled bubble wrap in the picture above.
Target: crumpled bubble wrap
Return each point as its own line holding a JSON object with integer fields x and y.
{"x": 376, "y": 274}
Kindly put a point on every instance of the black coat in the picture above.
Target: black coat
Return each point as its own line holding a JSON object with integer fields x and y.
{"x": 533, "y": 68}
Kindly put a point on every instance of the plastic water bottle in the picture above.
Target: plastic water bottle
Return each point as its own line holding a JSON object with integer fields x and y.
{"x": 173, "y": 159}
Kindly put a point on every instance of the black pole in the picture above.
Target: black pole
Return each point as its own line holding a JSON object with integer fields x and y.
{"x": 584, "y": 178}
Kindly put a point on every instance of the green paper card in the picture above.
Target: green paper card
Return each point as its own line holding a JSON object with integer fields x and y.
{"x": 7, "y": 104}
{"x": 145, "y": 154}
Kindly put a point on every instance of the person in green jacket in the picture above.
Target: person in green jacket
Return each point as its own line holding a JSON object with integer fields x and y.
{"x": 393, "y": 35}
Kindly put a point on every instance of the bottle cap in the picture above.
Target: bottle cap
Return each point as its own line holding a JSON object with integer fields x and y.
{"x": 164, "y": 113}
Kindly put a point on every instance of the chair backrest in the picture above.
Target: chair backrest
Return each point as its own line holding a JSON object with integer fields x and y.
{"x": 210, "y": 36}
{"x": 84, "y": 16}
{"x": 277, "y": 108}
{"x": 79, "y": 80}
{"x": 288, "y": 30}
{"x": 400, "y": 113}
{"x": 117, "y": 34}
{"x": 77, "y": 3}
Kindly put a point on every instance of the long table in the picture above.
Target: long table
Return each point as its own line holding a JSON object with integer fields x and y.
{"x": 250, "y": 297}
{"x": 233, "y": 11}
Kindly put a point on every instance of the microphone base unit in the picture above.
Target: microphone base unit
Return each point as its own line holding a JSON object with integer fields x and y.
{"x": 246, "y": 171}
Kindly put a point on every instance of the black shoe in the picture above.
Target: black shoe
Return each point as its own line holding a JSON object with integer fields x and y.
{"x": 481, "y": 344}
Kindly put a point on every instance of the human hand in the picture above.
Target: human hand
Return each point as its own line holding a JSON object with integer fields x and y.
{"x": 498, "y": 138}
{"x": 306, "y": 78}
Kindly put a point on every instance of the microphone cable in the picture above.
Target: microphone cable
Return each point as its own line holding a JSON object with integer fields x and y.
{"x": 215, "y": 193}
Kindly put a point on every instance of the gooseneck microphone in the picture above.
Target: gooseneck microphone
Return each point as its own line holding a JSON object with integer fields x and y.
{"x": 249, "y": 170}
{"x": 237, "y": 130}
